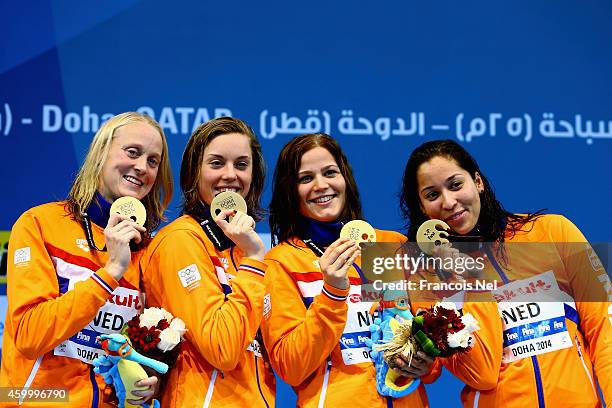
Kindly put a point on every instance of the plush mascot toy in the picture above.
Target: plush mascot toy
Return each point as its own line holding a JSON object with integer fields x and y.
{"x": 122, "y": 368}
{"x": 389, "y": 382}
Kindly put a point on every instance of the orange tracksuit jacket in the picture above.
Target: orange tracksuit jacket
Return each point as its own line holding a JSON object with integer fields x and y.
{"x": 220, "y": 363}
{"x": 319, "y": 349}
{"x": 558, "y": 378}
{"x": 59, "y": 299}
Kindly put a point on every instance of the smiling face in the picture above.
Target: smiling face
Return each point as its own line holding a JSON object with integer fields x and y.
{"x": 132, "y": 162}
{"x": 227, "y": 165}
{"x": 321, "y": 187}
{"x": 448, "y": 193}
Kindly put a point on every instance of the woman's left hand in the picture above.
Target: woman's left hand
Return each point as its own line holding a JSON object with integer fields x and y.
{"x": 420, "y": 365}
{"x": 145, "y": 395}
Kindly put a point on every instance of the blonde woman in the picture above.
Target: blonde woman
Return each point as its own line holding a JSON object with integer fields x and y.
{"x": 71, "y": 269}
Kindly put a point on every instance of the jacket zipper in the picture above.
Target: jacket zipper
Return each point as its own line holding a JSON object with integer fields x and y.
{"x": 211, "y": 388}
{"x": 538, "y": 380}
{"x": 30, "y": 379}
{"x": 325, "y": 382}
{"x": 258, "y": 383}
{"x": 476, "y": 399}
{"x": 586, "y": 370}
{"x": 534, "y": 360}
{"x": 94, "y": 384}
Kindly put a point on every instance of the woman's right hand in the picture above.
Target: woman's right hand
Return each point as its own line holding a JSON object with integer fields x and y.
{"x": 336, "y": 261}
{"x": 118, "y": 233}
{"x": 241, "y": 230}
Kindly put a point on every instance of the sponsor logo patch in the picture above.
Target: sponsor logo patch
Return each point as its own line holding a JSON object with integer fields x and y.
{"x": 21, "y": 255}
{"x": 190, "y": 277}
{"x": 267, "y": 306}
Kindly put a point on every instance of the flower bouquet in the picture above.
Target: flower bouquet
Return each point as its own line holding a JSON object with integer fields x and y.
{"x": 155, "y": 333}
{"x": 148, "y": 339}
{"x": 440, "y": 331}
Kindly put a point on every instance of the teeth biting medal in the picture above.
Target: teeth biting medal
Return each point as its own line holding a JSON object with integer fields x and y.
{"x": 227, "y": 200}
{"x": 432, "y": 233}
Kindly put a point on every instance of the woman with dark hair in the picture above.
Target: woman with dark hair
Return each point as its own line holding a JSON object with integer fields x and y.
{"x": 73, "y": 267}
{"x": 209, "y": 271}
{"x": 314, "y": 334}
{"x": 494, "y": 222}
{"x": 529, "y": 256}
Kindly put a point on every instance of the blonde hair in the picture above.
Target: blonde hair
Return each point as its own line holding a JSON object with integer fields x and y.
{"x": 87, "y": 181}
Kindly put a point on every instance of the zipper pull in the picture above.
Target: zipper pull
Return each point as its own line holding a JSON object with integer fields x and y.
{"x": 578, "y": 345}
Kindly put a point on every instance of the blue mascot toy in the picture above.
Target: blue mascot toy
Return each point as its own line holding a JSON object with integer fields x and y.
{"x": 383, "y": 329}
{"x": 122, "y": 367}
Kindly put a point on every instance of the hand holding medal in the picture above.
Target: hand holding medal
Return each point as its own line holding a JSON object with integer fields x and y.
{"x": 229, "y": 210}
{"x": 432, "y": 234}
{"x": 342, "y": 253}
{"x": 358, "y": 231}
{"x": 227, "y": 201}
{"x": 433, "y": 239}
{"x": 126, "y": 223}
{"x": 130, "y": 207}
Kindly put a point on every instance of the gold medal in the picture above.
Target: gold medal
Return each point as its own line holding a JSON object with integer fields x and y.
{"x": 429, "y": 235}
{"x": 359, "y": 231}
{"x": 130, "y": 207}
{"x": 227, "y": 200}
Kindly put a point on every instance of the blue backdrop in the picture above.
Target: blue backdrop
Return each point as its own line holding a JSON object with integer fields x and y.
{"x": 525, "y": 86}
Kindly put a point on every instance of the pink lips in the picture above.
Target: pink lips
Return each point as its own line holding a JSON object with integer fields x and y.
{"x": 455, "y": 217}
